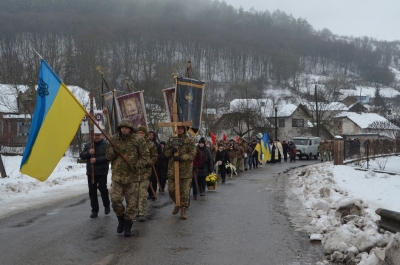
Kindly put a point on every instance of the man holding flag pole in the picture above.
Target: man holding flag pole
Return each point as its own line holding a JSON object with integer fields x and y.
{"x": 49, "y": 137}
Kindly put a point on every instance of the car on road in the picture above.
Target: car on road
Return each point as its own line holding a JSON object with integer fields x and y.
{"x": 307, "y": 146}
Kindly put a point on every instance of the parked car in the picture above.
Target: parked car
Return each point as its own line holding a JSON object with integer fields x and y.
{"x": 307, "y": 146}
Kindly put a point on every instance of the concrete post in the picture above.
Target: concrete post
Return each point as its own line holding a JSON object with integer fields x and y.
{"x": 338, "y": 150}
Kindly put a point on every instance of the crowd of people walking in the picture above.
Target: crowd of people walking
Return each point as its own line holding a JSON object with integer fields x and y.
{"x": 141, "y": 167}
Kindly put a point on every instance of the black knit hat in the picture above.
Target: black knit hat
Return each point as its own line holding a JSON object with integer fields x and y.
{"x": 202, "y": 140}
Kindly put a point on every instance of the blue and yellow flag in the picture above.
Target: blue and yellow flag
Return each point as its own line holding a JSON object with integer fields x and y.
{"x": 265, "y": 148}
{"x": 55, "y": 121}
{"x": 258, "y": 149}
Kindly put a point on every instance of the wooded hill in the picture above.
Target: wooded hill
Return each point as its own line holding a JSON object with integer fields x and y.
{"x": 145, "y": 41}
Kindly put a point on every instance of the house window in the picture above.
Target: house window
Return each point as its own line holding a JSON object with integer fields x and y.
{"x": 23, "y": 128}
{"x": 1, "y": 127}
{"x": 297, "y": 122}
{"x": 281, "y": 123}
{"x": 340, "y": 123}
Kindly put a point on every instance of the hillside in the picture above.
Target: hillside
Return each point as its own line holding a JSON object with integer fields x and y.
{"x": 143, "y": 42}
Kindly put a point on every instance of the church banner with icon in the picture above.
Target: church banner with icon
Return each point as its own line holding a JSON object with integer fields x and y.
{"x": 98, "y": 117}
{"x": 169, "y": 94}
{"x": 112, "y": 113}
{"x": 189, "y": 99}
{"x": 132, "y": 107}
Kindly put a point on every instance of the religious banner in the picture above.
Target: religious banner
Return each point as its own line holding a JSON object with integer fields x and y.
{"x": 189, "y": 99}
{"x": 113, "y": 113}
{"x": 98, "y": 117}
{"x": 169, "y": 94}
{"x": 132, "y": 107}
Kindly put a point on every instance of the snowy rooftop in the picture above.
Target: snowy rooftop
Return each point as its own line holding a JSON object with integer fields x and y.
{"x": 363, "y": 120}
{"x": 285, "y": 110}
{"x": 266, "y": 106}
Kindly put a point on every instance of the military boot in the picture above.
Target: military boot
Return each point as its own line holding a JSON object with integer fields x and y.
{"x": 176, "y": 210}
{"x": 121, "y": 224}
{"x": 183, "y": 213}
{"x": 128, "y": 227}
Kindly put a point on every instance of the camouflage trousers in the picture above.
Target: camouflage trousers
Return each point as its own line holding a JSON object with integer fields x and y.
{"x": 239, "y": 164}
{"x": 142, "y": 200}
{"x": 328, "y": 155}
{"x": 234, "y": 163}
{"x": 129, "y": 192}
{"x": 184, "y": 187}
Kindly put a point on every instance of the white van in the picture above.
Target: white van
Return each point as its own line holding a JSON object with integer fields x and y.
{"x": 307, "y": 146}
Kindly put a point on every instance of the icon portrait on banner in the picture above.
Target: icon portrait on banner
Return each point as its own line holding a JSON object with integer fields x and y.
{"x": 131, "y": 107}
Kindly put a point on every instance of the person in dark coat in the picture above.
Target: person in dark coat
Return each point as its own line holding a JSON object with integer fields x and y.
{"x": 292, "y": 151}
{"x": 285, "y": 148}
{"x": 101, "y": 166}
{"x": 197, "y": 161}
{"x": 162, "y": 167}
{"x": 206, "y": 166}
{"x": 222, "y": 158}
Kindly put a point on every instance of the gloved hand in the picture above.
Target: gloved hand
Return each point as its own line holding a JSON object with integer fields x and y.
{"x": 116, "y": 149}
{"x": 174, "y": 150}
{"x": 177, "y": 158}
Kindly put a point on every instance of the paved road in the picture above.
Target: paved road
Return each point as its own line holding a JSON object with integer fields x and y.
{"x": 244, "y": 221}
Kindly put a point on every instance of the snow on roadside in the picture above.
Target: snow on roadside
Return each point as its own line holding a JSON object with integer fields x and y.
{"x": 325, "y": 190}
{"x": 20, "y": 192}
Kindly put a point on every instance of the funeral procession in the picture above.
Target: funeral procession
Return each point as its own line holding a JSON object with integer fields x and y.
{"x": 175, "y": 132}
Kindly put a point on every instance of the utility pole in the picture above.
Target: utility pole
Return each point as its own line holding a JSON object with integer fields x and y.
{"x": 316, "y": 109}
{"x": 247, "y": 117}
{"x": 276, "y": 123}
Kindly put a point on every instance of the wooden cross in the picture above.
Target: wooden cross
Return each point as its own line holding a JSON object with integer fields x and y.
{"x": 175, "y": 124}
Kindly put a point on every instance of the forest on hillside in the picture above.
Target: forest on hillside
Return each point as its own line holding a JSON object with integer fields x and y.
{"x": 143, "y": 42}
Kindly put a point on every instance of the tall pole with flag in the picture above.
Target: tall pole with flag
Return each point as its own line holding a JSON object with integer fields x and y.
{"x": 55, "y": 121}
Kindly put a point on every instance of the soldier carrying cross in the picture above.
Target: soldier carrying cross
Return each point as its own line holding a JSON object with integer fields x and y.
{"x": 181, "y": 149}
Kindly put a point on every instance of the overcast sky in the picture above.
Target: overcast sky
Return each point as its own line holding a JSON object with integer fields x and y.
{"x": 372, "y": 18}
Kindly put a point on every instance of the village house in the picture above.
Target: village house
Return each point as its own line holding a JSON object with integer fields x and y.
{"x": 291, "y": 120}
{"x": 363, "y": 125}
{"x": 17, "y": 103}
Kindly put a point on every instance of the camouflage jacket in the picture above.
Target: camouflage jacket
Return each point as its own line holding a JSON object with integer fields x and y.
{"x": 152, "y": 159}
{"x": 135, "y": 150}
{"x": 321, "y": 148}
{"x": 233, "y": 150}
{"x": 187, "y": 153}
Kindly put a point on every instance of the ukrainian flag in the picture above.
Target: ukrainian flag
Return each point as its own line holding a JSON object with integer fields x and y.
{"x": 55, "y": 121}
{"x": 258, "y": 149}
{"x": 265, "y": 148}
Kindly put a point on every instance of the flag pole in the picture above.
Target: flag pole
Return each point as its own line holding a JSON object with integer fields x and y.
{"x": 38, "y": 54}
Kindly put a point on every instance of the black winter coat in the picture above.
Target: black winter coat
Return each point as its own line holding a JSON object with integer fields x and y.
{"x": 222, "y": 156}
{"x": 102, "y": 164}
{"x": 206, "y": 166}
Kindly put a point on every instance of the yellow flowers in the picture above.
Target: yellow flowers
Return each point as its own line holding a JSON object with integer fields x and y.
{"x": 211, "y": 179}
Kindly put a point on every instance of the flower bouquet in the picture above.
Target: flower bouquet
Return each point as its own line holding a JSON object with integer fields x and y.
{"x": 230, "y": 170}
{"x": 211, "y": 181}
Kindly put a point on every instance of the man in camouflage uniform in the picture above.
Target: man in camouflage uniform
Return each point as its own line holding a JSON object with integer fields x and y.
{"x": 233, "y": 150}
{"x": 242, "y": 150}
{"x": 328, "y": 150}
{"x": 144, "y": 181}
{"x": 321, "y": 150}
{"x": 187, "y": 152}
{"x": 125, "y": 177}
